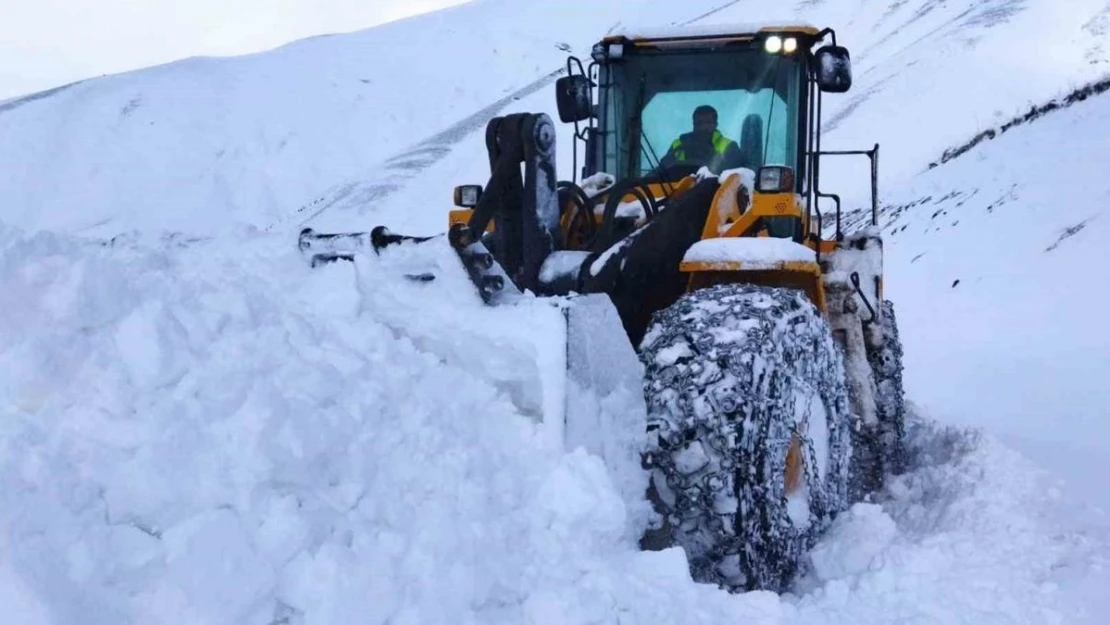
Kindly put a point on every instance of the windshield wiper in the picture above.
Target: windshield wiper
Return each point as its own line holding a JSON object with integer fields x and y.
{"x": 637, "y": 137}
{"x": 636, "y": 129}
{"x": 771, "y": 111}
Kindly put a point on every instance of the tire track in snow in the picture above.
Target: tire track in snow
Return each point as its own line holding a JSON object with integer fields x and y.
{"x": 407, "y": 165}
{"x": 970, "y": 22}
{"x": 15, "y": 103}
{"x": 709, "y": 13}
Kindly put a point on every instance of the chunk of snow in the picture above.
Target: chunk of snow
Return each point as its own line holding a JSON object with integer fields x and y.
{"x": 603, "y": 258}
{"x": 597, "y": 184}
{"x": 797, "y": 507}
{"x": 854, "y": 544}
{"x": 634, "y": 209}
{"x": 149, "y": 341}
{"x": 691, "y": 459}
{"x": 747, "y": 177}
{"x": 561, "y": 264}
{"x": 847, "y": 258}
{"x": 670, "y": 355}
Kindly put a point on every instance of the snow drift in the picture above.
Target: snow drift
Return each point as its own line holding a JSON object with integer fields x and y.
{"x": 219, "y": 435}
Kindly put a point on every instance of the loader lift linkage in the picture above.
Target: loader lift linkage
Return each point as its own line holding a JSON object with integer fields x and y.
{"x": 524, "y": 207}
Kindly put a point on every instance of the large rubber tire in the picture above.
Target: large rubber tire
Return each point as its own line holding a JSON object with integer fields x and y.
{"x": 733, "y": 374}
{"x": 886, "y": 366}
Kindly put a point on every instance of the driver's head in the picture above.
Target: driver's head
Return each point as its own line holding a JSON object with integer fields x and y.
{"x": 705, "y": 120}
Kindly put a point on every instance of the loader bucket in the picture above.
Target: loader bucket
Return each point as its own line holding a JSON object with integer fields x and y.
{"x": 564, "y": 362}
{"x": 576, "y": 374}
{"x": 604, "y": 401}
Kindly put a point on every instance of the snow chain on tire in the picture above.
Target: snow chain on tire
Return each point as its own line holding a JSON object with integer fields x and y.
{"x": 878, "y": 450}
{"x": 886, "y": 365}
{"x": 730, "y": 370}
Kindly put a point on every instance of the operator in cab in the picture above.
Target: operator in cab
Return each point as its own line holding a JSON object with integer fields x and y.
{"x": 705, "y": 145}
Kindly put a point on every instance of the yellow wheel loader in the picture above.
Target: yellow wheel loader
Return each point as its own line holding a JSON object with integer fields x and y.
{"x": 771, "y": 363}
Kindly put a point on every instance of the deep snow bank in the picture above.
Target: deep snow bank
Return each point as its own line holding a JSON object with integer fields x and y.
{"x": 211, "y": 433}
{"x": 196, "y": 431}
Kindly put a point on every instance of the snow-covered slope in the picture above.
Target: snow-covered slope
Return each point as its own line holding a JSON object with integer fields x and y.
{"x": 996, "y": 260}
{"x": 194, "y": 427}
{"x": 204, "y": 143}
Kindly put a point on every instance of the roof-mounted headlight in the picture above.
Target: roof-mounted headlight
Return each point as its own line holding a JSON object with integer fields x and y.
{"x": 776, "y": 44}
{"x": 604, "y": 52}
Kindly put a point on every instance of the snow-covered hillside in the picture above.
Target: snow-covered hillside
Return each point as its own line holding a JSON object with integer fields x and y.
{"x": 995, "y": 256}
{"x": 204, "y": 143}
{"x": 196, "y": 428}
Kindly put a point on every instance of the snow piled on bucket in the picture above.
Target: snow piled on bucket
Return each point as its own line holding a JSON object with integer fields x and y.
{"x": 751, "y": 253}
{"x": 211, "y": 432}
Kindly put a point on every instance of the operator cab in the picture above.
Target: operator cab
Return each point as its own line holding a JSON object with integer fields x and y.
{"x": 640, "y": 94}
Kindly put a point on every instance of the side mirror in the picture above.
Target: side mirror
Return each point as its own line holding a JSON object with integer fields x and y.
{"x": 572, "y": 94}
{"x": 834, "y": 69}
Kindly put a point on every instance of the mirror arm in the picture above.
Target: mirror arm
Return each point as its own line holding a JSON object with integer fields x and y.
{"x": 827, "y": 31}
{"x": 571, "y": 60}
{"x": 574, "y": 67}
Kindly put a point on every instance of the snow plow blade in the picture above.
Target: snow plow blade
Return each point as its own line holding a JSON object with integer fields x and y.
{"x": 488, "y": 276}
{"x": 325, "y": 248}
{"x": 329, "y": 247}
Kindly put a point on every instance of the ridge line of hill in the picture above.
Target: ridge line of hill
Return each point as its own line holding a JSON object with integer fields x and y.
{"x": 1091, "y": 89}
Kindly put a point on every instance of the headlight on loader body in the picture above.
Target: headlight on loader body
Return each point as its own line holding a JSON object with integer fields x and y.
{"x": 468, "y": 195}
{"x": 775, "y": 179}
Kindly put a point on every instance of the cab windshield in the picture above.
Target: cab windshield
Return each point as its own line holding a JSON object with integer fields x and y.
{"x": 755, "y": 97}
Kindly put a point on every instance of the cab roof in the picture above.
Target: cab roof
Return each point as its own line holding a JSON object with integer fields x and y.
{"x": 724, "y": 31}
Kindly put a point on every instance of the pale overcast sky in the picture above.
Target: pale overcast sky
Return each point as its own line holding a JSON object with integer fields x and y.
{"x": 46, "y": 43}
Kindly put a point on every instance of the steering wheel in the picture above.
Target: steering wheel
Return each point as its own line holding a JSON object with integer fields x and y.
{"x": 673, "y": 173}
{"x": 583, "y": 225}
{"x": 636, "y": 187}
{"x": 602, "y": 235}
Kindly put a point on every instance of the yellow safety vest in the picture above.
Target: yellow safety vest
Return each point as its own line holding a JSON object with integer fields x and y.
{"x": 720, "y": 144}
